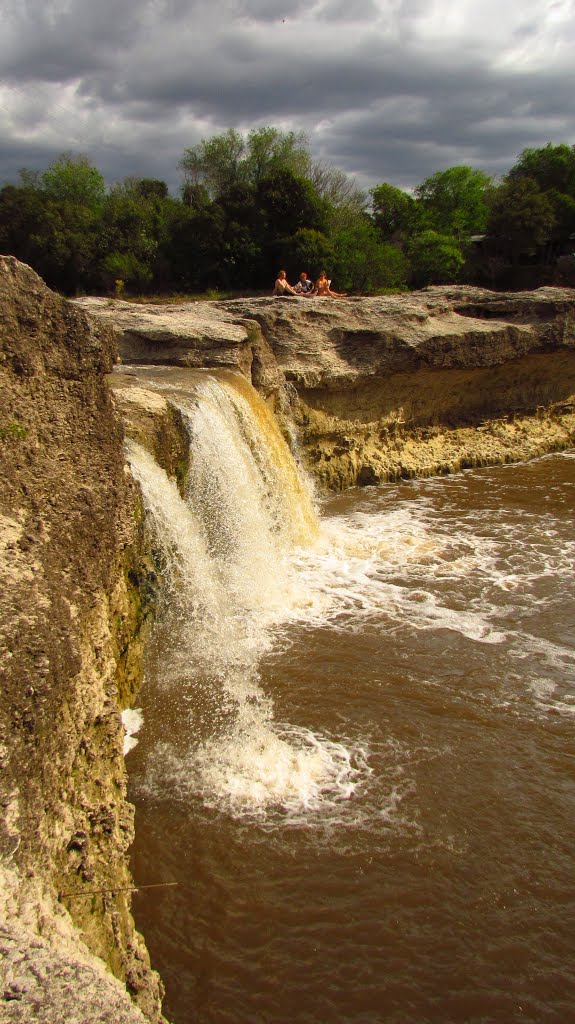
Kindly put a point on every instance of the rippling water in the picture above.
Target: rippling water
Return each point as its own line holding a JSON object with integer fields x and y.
{"x": 389, "y": 835}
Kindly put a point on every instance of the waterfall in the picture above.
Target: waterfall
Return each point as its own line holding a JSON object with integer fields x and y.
{"x": 228, "y": 548}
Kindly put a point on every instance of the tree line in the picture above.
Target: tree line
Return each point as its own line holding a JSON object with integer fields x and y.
{"x": 249, "y": 205}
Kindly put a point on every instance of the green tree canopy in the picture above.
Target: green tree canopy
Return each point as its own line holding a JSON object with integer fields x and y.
{"x": 229, "y": 159}
{"x": 270, "y": 151}
{"x": 345, "y": 202}
{"x": 289, "y": 203}
{"x": 521, "y": 215}
{"x": 71, "y": 178}
{"x": 393, "y": 210}
{"x": 435, "y": 258}
{"x": 307, "y": 250}
{"x": 363, "y": 263}
{"x": 454, "y": 202}
{"x": 551, "y": 167}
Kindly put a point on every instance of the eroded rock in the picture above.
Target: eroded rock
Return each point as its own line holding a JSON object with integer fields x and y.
{"x": 385, "y": 387}
{"x": 68, "y": 534}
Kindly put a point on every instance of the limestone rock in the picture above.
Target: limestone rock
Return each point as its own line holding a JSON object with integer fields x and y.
{"x": 67, "y": 528}
{"x": 192, "y": 334}
{"x": 367, "y": 375}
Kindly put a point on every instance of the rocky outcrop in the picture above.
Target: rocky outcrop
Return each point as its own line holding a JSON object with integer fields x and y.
{"x": 73, "y": 616}
{"x": 191, "y": 334}
{"x": 386, "y": 387}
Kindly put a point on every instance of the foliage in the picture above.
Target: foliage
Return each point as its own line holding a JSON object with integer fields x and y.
{"x": 345, "y": 202}
{"x": 435, "y": 258}
{"x": 307, "y": 250}
{"x": 252, "y": 203}
{"x": 365, "y": 264}
{"x": 393, "y": 211}
{"x": 454, "y": 202}
{"x": 551, "y": 167}
{"x": 521, "y": 214}
{"x": 289, "y": 203}
{"x": 73, "y": 179}
{"x": 229, "y": 159}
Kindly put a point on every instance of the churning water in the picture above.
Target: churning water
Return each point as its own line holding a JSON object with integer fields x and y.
{"x": 357, "y": 756}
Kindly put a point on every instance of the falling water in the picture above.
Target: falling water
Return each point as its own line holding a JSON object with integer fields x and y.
{"x": 228, "y": 549}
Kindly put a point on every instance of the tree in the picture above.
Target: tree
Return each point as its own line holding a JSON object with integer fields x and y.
{"x": 551, "y": 167}
{"x": 269, "y": 151}
{"x": 132, "y": 228}
{"x": 71, "y": 178}
{"x": 521, "y": 215}
{"x": 393, "y": 210}
{"x": 230, "y": 159}
{"x": 63, "y": 243}
{"x": 307, "y": 250}
{"x": 289, "y": 203}
{"x": 346, "y": 203}
{"x": 454, "y": 202}
{"x": 22, "y": 212}
{"x": 244, "y": 236}
{"x": 435, "y": 258}
{"x": 215, "y": 163}
{"x": 196, "y": 248}
{"x": 363, "y": 263}
{"x": 152, "y": 188}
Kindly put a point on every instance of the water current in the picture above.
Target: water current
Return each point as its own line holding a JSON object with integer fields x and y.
{"x": 357, "y": 752}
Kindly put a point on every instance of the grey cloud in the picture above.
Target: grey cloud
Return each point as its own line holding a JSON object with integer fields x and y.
{"x": 264, "y": 11}
{"x": 156, "y": 77}
{"x": 45, "y": 42}
{"x": 465, "y": 123}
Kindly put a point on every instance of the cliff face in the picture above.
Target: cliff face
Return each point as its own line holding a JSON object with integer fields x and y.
{"x": 70, "y": 606}
{"x": 382, "y": 388}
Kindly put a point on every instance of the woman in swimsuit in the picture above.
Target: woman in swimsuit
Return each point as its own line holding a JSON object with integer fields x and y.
{"x": 323, "y": 288}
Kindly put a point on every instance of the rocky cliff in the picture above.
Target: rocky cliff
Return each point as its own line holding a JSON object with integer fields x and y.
{"x": 72, "y": 621}
{"x": 389, "y": 387}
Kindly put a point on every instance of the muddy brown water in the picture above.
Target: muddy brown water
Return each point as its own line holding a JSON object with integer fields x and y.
{"x": 411, "y": 860}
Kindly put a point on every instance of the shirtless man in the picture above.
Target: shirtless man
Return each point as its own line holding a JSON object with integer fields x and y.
{"x": 281, "y": 286}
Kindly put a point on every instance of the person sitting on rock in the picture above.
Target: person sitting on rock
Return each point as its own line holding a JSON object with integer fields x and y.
{"x": 323, "y": 287}
{"x": 282, "y": 287}
{"x": 304, "y": 286}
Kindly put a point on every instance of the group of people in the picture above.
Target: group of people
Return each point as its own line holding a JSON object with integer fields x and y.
{"x": 305, "y": 287}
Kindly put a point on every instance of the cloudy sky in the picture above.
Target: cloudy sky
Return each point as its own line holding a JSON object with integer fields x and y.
{"x": 387, "y": 90}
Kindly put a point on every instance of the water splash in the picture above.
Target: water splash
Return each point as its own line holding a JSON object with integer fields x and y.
{"x": 227, "y": 547}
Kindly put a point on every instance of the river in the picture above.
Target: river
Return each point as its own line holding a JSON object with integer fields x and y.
{"x": 385, "y": 832}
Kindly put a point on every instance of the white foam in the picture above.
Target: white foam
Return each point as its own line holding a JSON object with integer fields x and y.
{"x": 269, "y": 768}
{"x": 353, "y": 570}
{"x": 132, "y": 720}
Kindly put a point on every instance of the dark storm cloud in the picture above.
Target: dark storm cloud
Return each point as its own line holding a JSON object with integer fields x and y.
{"x": 463, "y": 121}
{"x": 386, "y": 89}
{"x": 55, "y": 42}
